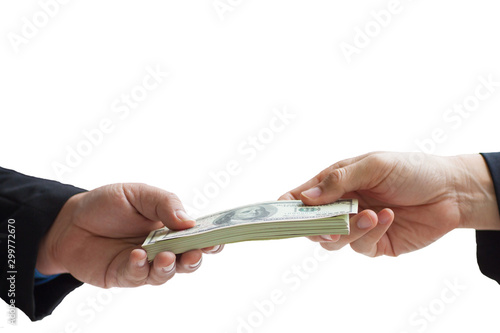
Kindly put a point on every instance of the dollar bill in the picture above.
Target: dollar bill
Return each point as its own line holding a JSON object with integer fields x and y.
{"x": 265, "y": 220}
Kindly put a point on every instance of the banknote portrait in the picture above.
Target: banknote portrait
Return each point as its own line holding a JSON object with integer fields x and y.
{"x": 247, "y": 214}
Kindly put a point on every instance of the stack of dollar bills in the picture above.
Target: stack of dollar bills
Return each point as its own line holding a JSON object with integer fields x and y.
{"x": 261, "y": 221}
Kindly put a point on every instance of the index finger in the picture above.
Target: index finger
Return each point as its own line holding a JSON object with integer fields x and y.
{"x": 295, "y": 193}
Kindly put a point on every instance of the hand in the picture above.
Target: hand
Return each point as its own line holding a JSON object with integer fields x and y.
{"x": 410, "y": 199}
{"x": 97, "y": 237}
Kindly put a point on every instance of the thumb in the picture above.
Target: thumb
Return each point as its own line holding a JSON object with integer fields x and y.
{"x": 338, "y": 182}
{"x": 158, "y": 205}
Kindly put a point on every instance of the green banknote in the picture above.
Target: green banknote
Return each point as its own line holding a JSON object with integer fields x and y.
{"x": 260, "y": 221}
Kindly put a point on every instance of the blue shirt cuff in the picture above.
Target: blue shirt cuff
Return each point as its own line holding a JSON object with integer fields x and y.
{"x": 40, "y": 278}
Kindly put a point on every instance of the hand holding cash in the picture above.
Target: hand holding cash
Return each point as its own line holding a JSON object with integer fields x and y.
{"x": 262, "y": 221}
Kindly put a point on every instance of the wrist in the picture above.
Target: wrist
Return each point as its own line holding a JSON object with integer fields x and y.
{"x": 48, "y": 259}
{"x": 476, "y": 194}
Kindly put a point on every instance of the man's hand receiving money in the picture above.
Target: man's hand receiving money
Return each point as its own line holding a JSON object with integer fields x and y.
{"x": 97, "y": 236}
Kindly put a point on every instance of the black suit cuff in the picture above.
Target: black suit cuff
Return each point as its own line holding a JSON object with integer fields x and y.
{"x": 31, "y": 205}
{"x": 488, "y": 241}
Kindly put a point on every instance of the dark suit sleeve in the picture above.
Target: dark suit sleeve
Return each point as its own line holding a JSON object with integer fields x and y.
{"x": 488, "y": 242}
{"x": 28, "y": 207}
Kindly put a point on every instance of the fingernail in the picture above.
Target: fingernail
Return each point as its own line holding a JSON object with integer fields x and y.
{"x": 312, "y": 193}
{"x": 364, "y": 222}
{"x": 196, "y": 265}
{"x": 183, "y": 216}
{"x": 142, "y": 263}
{"x": 384, "y": 219}
{"x": 169, "y": 268}
{"x": 328, "y": 238}
{"x": 215, "y": 249}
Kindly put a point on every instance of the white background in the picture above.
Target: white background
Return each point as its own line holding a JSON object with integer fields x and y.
{"x": 227, "y": 73}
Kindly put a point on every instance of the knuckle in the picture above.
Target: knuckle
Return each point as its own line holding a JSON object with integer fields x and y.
{"x": 172, "y": 197}
{"x": 378, "y": 161}
{"x": 334, "y": 177}
{"x": 338, "y": 175}
{"x": 158, "y": 278}
{"x": 139, "y": 189}
{"x": 357, "y": 248}
{"x": 134, "y": 281}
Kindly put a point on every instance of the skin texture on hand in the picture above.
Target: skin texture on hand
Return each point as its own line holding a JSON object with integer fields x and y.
{"x": 409, "y": 200}
{"x": 97, "y": 237}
